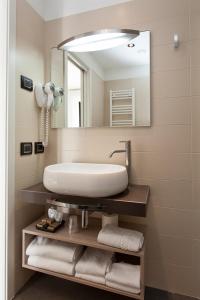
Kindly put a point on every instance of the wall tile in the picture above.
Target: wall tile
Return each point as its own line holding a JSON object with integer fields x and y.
{"x": 196, "y": 231}
{"x": 166, "y": 58}
{"x": 195, "y": 124}
{"x": 161, "y": 166}
{"x": 173, "y": 111}
{"x": 145, "y": 10}
{"x": 195, "y": 79}
{"x": 171, "y": 277}
{"x": 29, "y": 170}
{"x": 196, "y": 166}
{"x": 158, "y": 221}
{"x": 194, "y": 48}
{"x": 196, "y": 266}
{"x": 196, "y": 193}
{"x": 194, "y": 7}
{"x": 170, "y": 84}
{"x": 183, "y": 279}
{"x": 162, "y": 31}
{"x": 169, "y": 250}
{"x": 175, "y": 138}
{"x": 172, "y": 194}
{"x": 117, "y": 132}
{"x": 194, "y": 25}
{"x": 27, "y": 134}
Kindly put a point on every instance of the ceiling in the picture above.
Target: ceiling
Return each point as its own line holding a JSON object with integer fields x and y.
{"x": 51, "y": 9}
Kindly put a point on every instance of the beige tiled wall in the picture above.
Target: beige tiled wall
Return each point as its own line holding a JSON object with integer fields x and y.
{"x": 167, "y": 155}
{"x": 195, "y": 129}
{"x": 30, "y": 61}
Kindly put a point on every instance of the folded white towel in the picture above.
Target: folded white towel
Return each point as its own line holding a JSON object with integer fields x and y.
{"x": 52, "y": 265}
{"x": 94, "y": 262}
{"x": 122, "y": 287}
{"x": 54, "y": 249}
{"x": 125, "y": 275}
{"x": 93, "y": 278}
{"x": 123, "y": 238}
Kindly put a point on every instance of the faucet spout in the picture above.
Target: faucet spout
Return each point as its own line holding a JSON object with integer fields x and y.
{"x": 127, "y": 152}
{"x": 116, "y": 151}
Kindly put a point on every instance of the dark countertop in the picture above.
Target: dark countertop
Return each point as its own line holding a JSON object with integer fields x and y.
{"x": 133, "y": 201}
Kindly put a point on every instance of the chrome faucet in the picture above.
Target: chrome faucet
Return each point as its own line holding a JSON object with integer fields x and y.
{"x": 127, "y": 152}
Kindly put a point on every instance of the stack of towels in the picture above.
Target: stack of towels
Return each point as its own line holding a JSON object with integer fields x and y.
{"x": 53, "y": 255}
{"x": 126, "y": 239}
{"x": 125, "y": 277}
{"x": 94, "y": 265}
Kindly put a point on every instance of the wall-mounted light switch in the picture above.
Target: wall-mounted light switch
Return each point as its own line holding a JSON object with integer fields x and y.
{"x": 26, "y": 148}
{"x": 26, "y": 83}
{"x": 39, "y": 148}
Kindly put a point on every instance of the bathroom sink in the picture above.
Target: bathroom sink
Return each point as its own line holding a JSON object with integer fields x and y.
{"x": 85, "y": 179}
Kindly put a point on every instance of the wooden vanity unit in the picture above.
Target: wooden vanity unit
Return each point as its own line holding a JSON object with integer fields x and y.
{"x": 132, "y": 202}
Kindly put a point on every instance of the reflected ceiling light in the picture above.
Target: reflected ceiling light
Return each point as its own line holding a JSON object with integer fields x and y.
{"x": 99, "y": 40}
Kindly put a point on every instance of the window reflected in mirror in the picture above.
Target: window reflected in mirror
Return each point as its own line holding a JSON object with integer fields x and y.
{"x": 75, "y": 94}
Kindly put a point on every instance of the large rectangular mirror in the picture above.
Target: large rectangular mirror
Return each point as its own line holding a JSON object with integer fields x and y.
{"x": 106, "y": 88}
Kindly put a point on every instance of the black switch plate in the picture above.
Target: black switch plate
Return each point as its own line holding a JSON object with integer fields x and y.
{"x": 39, "y": 148}
{"x": 26, "y": 148}
{"x": 26, "y": 83}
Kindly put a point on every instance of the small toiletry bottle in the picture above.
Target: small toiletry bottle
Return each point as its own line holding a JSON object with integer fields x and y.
{"x": 109, "y": 219}
{"x": 52, "y": 213}
{"x": 73, "y": 224}
{"x": 59, "y": 216}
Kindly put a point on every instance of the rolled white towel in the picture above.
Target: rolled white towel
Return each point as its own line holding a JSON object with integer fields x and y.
{"x": 93, "y": 278}
{"x": 52, "y": 265}
{"x": 122, "y": 238}
{"x": 122, "y": 287}
{"x": 94, "y": 262}
{"x": 125, "y": 275}
{"x": 54, "y": 249}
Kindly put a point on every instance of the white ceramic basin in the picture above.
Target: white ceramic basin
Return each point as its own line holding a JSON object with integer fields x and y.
{"x": 84, "y": 179}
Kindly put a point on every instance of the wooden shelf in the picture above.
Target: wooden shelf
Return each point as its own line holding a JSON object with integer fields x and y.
{"x": 133, "y": 201}
{"x": 86, "y": 237}
{"x": 85, "y": 282}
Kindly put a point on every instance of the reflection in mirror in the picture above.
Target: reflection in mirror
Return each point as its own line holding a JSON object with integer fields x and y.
{"x": 104, "y": 88}
{"x": 74, "y": 95}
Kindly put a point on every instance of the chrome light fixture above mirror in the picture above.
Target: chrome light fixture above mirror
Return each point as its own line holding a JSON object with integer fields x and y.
{"x": 99, "y": 40}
